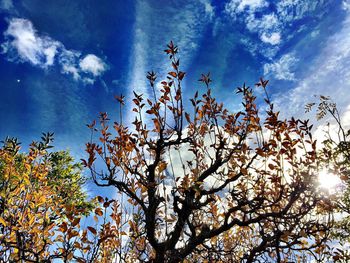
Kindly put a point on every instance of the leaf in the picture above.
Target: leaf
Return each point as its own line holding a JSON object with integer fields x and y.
{"x": 174, "y": 65}
{"x": 92, "y": 230}
{"x": 309, "y": 106}
{"x": 172, "y": 73}
{"x": 156, "y": 124}
{"x": 63, "y": 227}
{"x": 162, "y": 166}
{"x": 100, "y": 199}
{"x": 31, "y": 220}
{"x": 244, "y": 171}
{"x": 77, "y": 245}
{"x": 2, "y": 221}
{"x": 76, "y": 221}
{"x": 187, "y": 117}
{"x": 120, "y": 99}
{"x": 98, "y": 211}
{"x": 181, "y": 75}
{"x": 73, "y": 233}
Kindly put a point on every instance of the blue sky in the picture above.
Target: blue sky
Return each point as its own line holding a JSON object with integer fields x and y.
{"x": 62, "y": 62}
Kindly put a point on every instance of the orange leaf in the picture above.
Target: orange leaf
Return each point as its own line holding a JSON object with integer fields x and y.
{"x": 100, "y": 199}
{"x": 173, "y": 74}
{"x": 98, "y": 211}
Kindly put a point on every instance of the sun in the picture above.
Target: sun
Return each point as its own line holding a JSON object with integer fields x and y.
{"x": 328, "y": 180}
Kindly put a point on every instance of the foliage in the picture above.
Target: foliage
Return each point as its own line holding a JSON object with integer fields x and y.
{"x": 41, "y": 205}
{"x": 212, "y": 185}
{"x": 63, "y": 174}
{"x": 336, "y": 155}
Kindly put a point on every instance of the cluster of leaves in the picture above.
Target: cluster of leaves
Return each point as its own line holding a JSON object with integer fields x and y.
{"x": 212, "y": 185}
{"x": 42, "y": 204}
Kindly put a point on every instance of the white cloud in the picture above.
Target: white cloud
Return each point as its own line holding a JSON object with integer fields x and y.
{"x": 281, "y": 69}
{"x": 289, "y": 10}
{"x": 92, "y": 64}
{"x": 252, "y": 23}
{"x": 270, "y": 25}
{"x": 237, "y": 6}
{"x": 346, "y": 5}
{"x": 68, "y": 61}
{"x": 265, "y": 23}
{"x": 251, "y": 4}
{"x": 273, "y": 38}
{"x": 269, "y": 21}
{"x": 267, "y": 26}
{"x": 24, "y": 44}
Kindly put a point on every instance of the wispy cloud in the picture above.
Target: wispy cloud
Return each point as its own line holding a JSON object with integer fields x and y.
{"x": 140, "y": 53}
{"x": 68, "y": 61}
{"x": 267, "y": 26}
{"x": 208, "y": 8}
{"x": 328, "y": 75}
{"x": 291, "y": 10}
{"x": 235, "y": 7}
{"x": 24, "y": 44}
{"x": 266, "y": 22}
{"x": 346, "y": 4}
{"x": 272, "y": 21}
{"x": 282, "y": 68}
{"x": 7, "y": 6}
{"x": 184, "y": 28}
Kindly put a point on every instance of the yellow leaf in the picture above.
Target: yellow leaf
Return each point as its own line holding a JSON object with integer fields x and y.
{"x": 162, "y": 166}
{"x": 31, "y": 220}
{"x": 2, "y": 221}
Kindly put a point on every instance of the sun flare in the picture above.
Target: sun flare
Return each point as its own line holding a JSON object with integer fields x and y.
{"x": 328, "y": 180}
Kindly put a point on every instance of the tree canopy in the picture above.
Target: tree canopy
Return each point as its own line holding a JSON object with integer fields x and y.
{"x": 208, "y": 184}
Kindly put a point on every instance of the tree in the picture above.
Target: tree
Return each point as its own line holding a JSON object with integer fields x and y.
{"x": 336, "y": 156}
{"x": 212, "y": 185}
{"x": 41, "y": 203}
